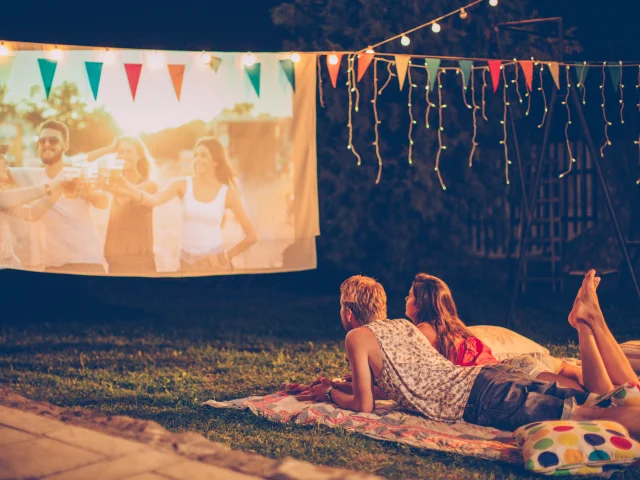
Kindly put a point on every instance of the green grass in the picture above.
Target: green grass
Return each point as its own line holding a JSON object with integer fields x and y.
{"x": 193, "y": 344}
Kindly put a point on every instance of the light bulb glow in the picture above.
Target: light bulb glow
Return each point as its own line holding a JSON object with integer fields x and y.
{"x": 463, "y": 14}
{"x": 333, "y": 59}
{"x": 493, "y": 3}
{"x": 249, "y": 60}
{"x": 205, "y": 58}
{"x": 295, "y": 57}
{"x": 405, "y": 41}
{"x": 156, "y": 60}
{"x": 435, "y": 28}
{"x": 369, "y": 51}
{"x": 4, "y": 50}
{"x": 56, "y": 54}
{"x": 109, "y": 57}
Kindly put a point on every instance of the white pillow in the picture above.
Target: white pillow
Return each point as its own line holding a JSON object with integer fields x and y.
{"x": 632, "y": 351}
{"x": 505, "y": 343}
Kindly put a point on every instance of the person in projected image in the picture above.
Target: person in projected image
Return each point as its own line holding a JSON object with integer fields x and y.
{"x": 205, "y": 196}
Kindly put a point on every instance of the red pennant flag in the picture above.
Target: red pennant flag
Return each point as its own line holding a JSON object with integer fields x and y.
{"x": 527, "y": 69}
{"x": 133, "y": 75}
{"x": 494, "y": 68}
{"x": 334, "y": 69}
{"x": 364, "y": 60}
{"x": 177, "y": 75}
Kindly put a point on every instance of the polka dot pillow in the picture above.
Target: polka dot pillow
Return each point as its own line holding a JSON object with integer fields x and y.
{"x": 576, "y": 448}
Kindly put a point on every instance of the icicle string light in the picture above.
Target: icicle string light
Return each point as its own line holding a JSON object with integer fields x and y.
{"x": 475, "y": 121}
{"x": 566, "y": 127}
{"x": 464, "y": 87}
{"x": 516, "y": 81}
{"x": 320, "y": 84}
{"x": 604, "y": 112}
{"x": 484, "y": 86}
{"x": 391, "y": 74}
{"x": 427, "y": 89}
{"x": 544, "y": 97}
{"x": 351, "y": 79}
{"x": 411, "y": 120}
{"x": 621, "y": 86}
{"x": 503, "y": 122}
{"x": 440, "y": 130}
{"x": 376, "y": 120}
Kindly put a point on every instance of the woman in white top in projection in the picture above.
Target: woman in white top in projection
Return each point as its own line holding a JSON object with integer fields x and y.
{"x": 205, "y": 197}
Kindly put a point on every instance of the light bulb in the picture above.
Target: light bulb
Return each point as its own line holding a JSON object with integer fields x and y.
{"x": 205, "y": 58}
{"x": 370, "y": 51}
{"x": 109, "y": 57}
{"x": 156, "y": 60}
{"x": 435, "y": 28}
{"x": 333, "y": 59}
{"x": 493, "y": 3}
{"x": 56, "y": 54}
{"x": 249, "y": 59}
{"x": 295, "y": 57}
{"x": 4, "y": 50}
{"x": 463, "y": 14}
{"x": 405, "y": 41}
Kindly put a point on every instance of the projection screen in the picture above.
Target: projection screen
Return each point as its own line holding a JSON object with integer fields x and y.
{"x": 156, "y": 163}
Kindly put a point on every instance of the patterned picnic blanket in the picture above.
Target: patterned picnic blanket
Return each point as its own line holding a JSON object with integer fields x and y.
{"x": 388, "y": 423}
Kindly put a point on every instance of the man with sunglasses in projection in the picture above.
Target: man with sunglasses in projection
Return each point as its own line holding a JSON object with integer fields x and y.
{"x": 67, "y": 232}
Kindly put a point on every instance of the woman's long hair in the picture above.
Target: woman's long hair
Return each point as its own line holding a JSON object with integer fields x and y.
{"x": 224, "y": 172}
{"x": 145, "y": 162}
{"x": 435, "y": 305}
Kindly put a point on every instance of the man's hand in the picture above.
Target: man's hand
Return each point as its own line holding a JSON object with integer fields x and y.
{"x": 316, "y": 392}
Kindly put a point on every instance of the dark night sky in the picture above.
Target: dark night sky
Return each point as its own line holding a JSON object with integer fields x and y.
{"x": 607, "y": 29}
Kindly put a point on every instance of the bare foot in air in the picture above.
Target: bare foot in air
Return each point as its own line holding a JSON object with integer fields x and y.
{"x": 586, "y": 307}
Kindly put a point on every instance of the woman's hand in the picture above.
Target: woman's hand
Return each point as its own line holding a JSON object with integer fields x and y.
{"x": 317, "y": 391}
{"x": 120, "y": 187}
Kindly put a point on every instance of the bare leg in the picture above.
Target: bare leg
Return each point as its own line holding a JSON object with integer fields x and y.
{"x": 625, "y": 416}
{"x": 564, "y": 382}
{"x": 594, "y": 371}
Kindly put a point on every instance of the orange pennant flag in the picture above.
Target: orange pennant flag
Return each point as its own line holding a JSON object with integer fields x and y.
{"x": 554, "y": 68}
{"x": 133, "y": 75}
{"x": 364, "y": 60}
{"x": 527, "y": 69}
{"x": 494, "y": 69}
{"x": 177, "y": 76}
{"x": 402, "y": 63}
{"x": 334, "y": 68}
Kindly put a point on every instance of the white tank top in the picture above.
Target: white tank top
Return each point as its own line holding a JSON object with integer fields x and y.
{"x": 202, "y": 223}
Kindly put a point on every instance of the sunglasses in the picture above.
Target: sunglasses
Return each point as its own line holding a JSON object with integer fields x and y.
{"x": 50, "y": 140}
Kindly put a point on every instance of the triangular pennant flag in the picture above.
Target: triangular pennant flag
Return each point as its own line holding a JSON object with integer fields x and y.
{"x": 402, "y": 63}
{"x": 433, "y": 64}
{"x": 47, "y": 71}
{"x": 335, "y": 68}
{"x": 581, "y": 72}
{"x": 614, "y": 73}
{"x": 253, "y": 72}
{"x": 6, "y": 64}
{"x": 177, "y": 76}
{"x": 288, "y": 67}
{"x": 364, "y": 60}
{"x": 527, "y": 69}
{"x": 215, "y": 63}
{"x": 494, "y": 69}
{"x": 94, "y": 72}
{"x": 554, "y": 68}
{"x": 465, "y": 66}
{"x": 133, "y": 75}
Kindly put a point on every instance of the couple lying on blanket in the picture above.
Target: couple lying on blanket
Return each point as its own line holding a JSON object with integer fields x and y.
{"x": 418, "y": 364}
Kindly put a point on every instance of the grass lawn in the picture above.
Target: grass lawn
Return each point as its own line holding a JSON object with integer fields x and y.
{"x": 194, "y": 341}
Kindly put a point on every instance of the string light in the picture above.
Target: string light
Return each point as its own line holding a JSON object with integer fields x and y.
{"x": 333, "y": 59}
{"x": 156, "y": 60}
{"x": 405, "y": 41}
{"x": 205, "y": 58}
{"x": 351, "y": 78}
{"x": 435, "y": 28}
{"x": 411, "y": 120}
{"x": 376, "y": 120}
{"x": 391, "y": 74}
{"x": 544, "y": 96}
{"x": 440, "y": 130}
{"x": 580, "y": 84}
{"x": 320, "y": 83}
{"x": 566, "y": 127}
{"x": 604, "y": 113}
{"x": 637, "y": 142}
{"x": 464, "y": 87}
{"x": 4, "y": 50}
{"x": 484, "y": 86}
{"x": 515, "y": 61}
{"x": 503, "y": 122}
{"x": 369, "y": 51}
{"x": 621, "y": 86}
{"x": 109, "y": 57}
{"x": 427, "y": 89}
{"x": 250, "y": 60}
{"x": 493, "y": 3}
{"x": 475, "y": 122}
{"x": 463, "y": 14}
{"x": 56, "y": 54}
{"x": 295, "y": 57}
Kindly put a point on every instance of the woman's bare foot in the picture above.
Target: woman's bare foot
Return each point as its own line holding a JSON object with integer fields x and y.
{"x": 586, "y": 307}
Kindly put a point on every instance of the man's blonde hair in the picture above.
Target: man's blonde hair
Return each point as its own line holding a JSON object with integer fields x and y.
{"x": 365, "y": 297}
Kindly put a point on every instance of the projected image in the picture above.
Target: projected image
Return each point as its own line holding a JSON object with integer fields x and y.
{"x": 139, "y": 163}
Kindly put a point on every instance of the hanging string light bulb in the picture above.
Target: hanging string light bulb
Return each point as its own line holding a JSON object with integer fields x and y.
{"x": 319, "y": 69}
{"x": 604, "y": 112}
{"x": 56, "y": 54}
{"x": 440, "y": 130}
{"x": 464, "y": 87}
{"x": 376, "y": 120}
{"x": 295, "y": 57}
{"x": 493, "y": 3}
{"x": 544, "y": 96}
{"x": 430, "y": 105}
{"x": 435, "y": 27}
{"x": 565, "y": 102}
{"x": 474, "y": 144}
{"x": 350, "y": 81}
{"x": 581, "y": 84}
{"x": 405, "y": 41}
{"x": 503, "y": 122}
{"x": 621, "y": 86}
{"x": 4, "y": 50}
{"x": 411, "y": 120}
{"x": 484, "y": 86}
{"x": 463, "y": 14}
{"x": 515, "y": 62}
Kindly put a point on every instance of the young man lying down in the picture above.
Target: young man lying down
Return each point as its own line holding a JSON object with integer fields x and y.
{"x": 393, "y": 359}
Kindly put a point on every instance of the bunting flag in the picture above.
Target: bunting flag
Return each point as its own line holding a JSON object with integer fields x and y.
{"x": 6, "y": 64}
{"x": 466, "y": 66}
{"x": 177, "y": 76}
{"x": 364, "y": 60}
{"x": 47, "y": 71}
{"x": 554, "y": 68}
{"x": 402, "y": 63}
{"x": 614, "y": 73}
{"x": 253, "y": 72}
{"x": 581, "y": 72}
{"x": 494, "y": 69}
{"x": 133, "y": 75}
{"x": 215, "y": 64}
{"x": 432, "y": 64}
{"x": 527, "y": 69}
{"x": 334, "y": 69}
{"x": 94, "y": 73}
{"x": 289, "y": 69}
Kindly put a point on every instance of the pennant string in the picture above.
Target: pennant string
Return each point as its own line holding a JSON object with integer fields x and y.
{"x": 503, "y": 122}
{"x": 566, "y": 127}
{"x": 411, "y": 120}
{"x": 484, "y": 86}
{"x": 544, "y": 96}
{"x": 320, "y": 83}
{"x": 351, "y": 80}
{"x": 604, "y": 113}
{"x": 440, "y": 130}
{"x": 475, "y": 122}
{"x": 375, "y": 117}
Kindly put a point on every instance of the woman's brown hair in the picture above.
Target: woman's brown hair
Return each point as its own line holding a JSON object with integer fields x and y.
{"x": 145, "y": 162}
{"x": 224, "y": 172}
{"x": 435, "y": 305}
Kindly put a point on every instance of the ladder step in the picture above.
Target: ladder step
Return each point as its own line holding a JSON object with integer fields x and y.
{"x": 545, "y": 220}
{"x": 543, "y": 240}
{"x": 542, "y": 259}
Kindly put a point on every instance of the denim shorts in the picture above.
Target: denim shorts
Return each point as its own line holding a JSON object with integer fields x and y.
{"x": 506, "y": 399}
